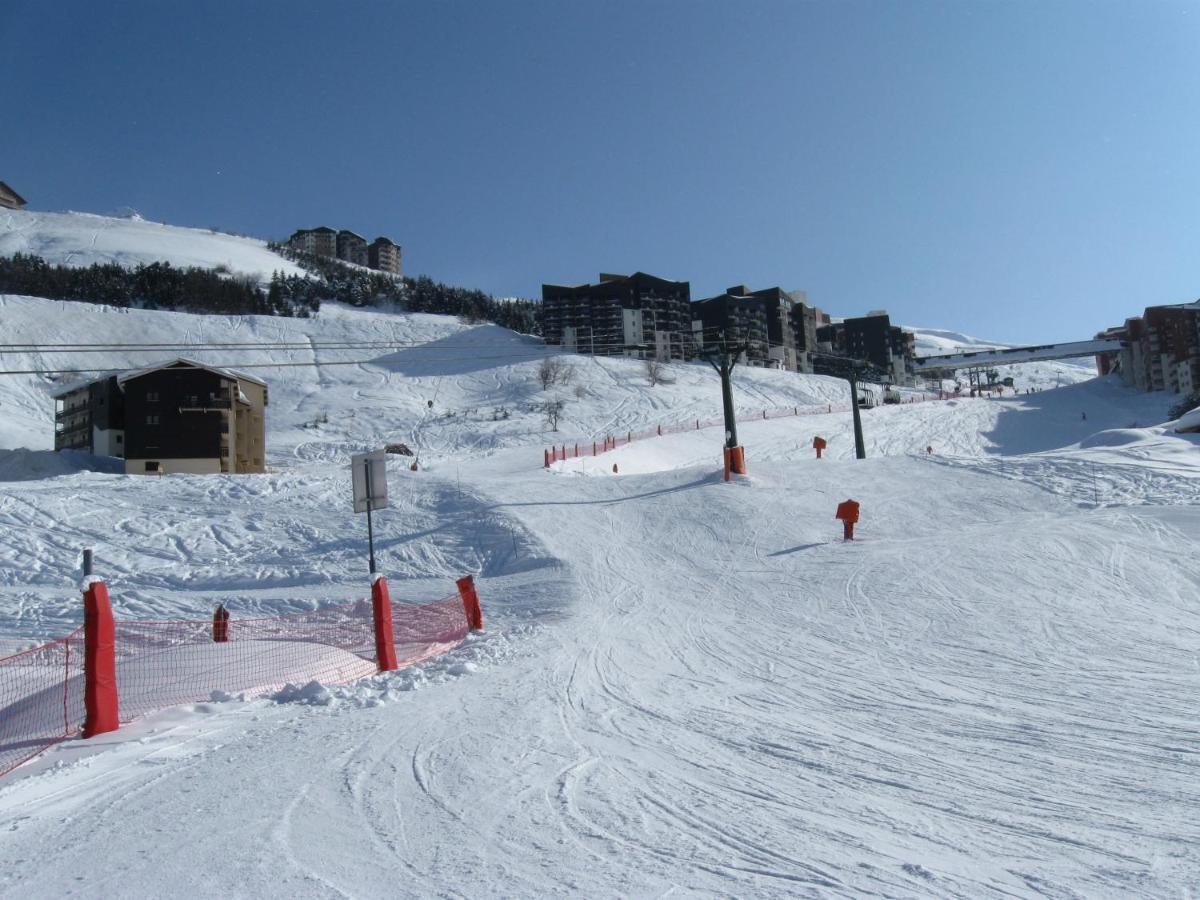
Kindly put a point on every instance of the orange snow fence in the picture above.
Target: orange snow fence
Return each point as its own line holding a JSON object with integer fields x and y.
{"x": 41, "y": 698}
{"x": 557, "y": 454}
{"x": 50, "y": 693}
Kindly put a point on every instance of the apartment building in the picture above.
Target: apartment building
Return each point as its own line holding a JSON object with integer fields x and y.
{"x": 872, "y": 338}
{"x": 90, "y": 416}
{"x": 352, "y": 247}
{"x": 320, "y": 241}
{"x": 382, "y": 253}
{"x": 179, "y": 416}
{"x": 637, "y": 315}
{"x": 733, "y": 318}
{"x": 1162, "y": 351}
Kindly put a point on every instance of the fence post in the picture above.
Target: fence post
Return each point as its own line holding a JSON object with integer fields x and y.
{"x": 546, "y": 454}
{"x": 660, "y": 431}
{"x": 381, "y": 609}
{"x": 697, "y": 424}
{"x": 470, "y": 600}
{"x": 100, "y": 699}
{"x": 220, "y": 628}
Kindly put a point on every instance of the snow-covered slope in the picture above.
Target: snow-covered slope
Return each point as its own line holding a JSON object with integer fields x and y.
{"x": 686, "y": 687}
{"x": 80, "y": 239}
{"x": 482, "y": 380}
{"x": 1027, "y": 376}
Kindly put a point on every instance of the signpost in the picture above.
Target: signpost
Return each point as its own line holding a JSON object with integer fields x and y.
{"x": 368, "y": 476}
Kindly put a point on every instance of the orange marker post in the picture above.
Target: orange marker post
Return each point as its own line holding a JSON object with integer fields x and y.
{"x": 847, "y": 511}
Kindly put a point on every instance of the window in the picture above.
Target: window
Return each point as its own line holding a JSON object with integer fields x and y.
{"x": 152, "y": 396}
{"x": 120, "y": 438}
{"x": 152, "y": 466}
{"x": 151, "y": 420}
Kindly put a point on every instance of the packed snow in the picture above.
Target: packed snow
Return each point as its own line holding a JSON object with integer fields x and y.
{"x": 81, "y": 239}
{"x": 685, "y": 686}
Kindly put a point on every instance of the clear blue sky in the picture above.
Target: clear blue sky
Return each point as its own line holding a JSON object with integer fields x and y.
{"x": 1023, "y": 171}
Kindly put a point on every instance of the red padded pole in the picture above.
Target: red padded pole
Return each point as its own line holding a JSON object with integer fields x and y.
{"x": 100, "y": 698}
{"x": 381, "y": 608}
{"x": 220, "y": 628}
{"x": 470, "y": 599}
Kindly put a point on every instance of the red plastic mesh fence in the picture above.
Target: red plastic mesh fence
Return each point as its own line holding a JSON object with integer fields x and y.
{"x": 41, "y": 698}
{"x": 610, "y": 442}
{"x": 422, "y": 632}
{"x": 161, "y": 664}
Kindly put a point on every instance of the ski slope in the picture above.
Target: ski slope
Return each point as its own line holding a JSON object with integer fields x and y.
{"x": 81, "y": 239}
{"x": 686, "y": 687}
{"x": 1027, "y": 376}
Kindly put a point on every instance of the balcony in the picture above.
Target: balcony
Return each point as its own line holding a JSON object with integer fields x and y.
{"x": 67, "y": 412}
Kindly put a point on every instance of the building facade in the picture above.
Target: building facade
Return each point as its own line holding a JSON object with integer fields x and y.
{"x": 872, "y": 338}
{"x": 181, "y": 416}
{"x": 10, "y": 199}
{"x": 791, "y": 325}
{"x": 351, "y": 247}
{"x": 90, "y": 417}
{"x": 733, "y": 318}
{"x": 384, "y": 254}
{"x": 635, "y": 315}
{"x": 1162, "y": 349}
{"x": 320, "y": 241}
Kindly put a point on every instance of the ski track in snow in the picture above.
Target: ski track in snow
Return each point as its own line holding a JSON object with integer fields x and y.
{"x": 686, "y": 687}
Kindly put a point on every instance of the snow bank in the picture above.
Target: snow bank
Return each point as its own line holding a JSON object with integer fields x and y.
{"x": 26, "y": 465}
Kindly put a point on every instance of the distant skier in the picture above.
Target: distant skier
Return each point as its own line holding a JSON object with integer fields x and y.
{"x": 1084, "y": 415}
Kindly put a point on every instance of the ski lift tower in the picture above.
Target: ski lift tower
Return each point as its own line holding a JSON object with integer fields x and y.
{"x": 723, "y": 356}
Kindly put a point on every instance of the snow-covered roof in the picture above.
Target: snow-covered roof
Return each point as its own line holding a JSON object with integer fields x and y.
{"x": 191, "y": 363}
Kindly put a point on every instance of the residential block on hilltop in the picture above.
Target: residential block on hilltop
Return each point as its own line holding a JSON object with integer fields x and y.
{"x": 382, "y": 253}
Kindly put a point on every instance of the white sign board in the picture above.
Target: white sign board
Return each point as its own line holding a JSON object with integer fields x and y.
{"x": 368, "y": 475}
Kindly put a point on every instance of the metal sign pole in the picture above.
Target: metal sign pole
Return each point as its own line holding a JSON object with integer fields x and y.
{"x": 370, "y": 527}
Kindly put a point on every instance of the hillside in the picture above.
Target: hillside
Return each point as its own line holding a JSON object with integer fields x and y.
{"x": 684, "y": 686}
{"x": 80, "y": 239}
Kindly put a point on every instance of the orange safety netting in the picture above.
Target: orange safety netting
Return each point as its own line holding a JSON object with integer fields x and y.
{"x": 41, "y": 698}
{"x": 612, "y": 441}
{"x": 161, "y": 664}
